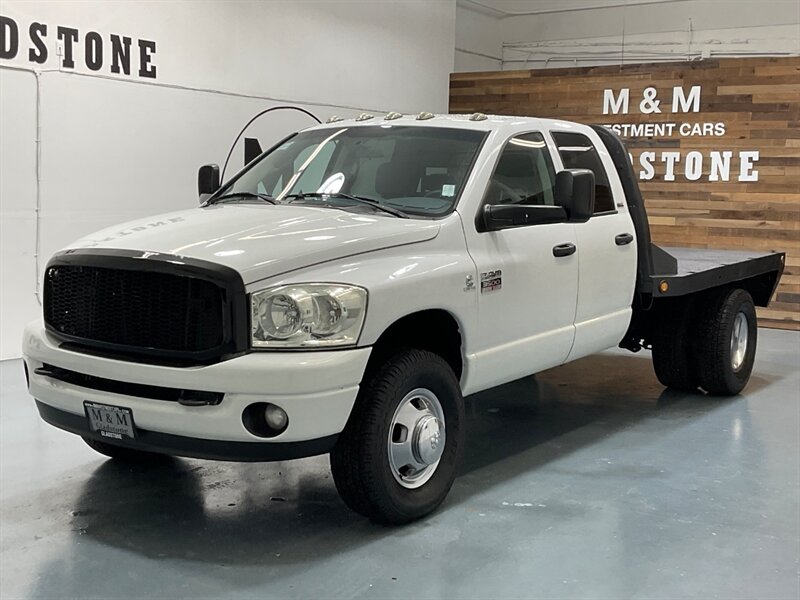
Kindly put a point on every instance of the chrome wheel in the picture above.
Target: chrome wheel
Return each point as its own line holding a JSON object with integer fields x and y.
{"x": 739, "y": 341}
{"x": 416, "y": 438}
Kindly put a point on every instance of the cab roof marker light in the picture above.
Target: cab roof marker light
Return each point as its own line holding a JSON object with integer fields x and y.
{"x": 424, "y": 116}
{"x": 334, "y": 119}
{"x": 392, "y": 116}
{"x": 478, "y": 117}
{"x": 364, "y": 117}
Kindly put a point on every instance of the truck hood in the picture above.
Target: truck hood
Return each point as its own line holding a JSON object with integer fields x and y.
{"x": 261, "y": 241}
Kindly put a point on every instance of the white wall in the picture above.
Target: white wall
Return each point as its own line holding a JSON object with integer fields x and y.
{"x": 478, "y": 43}
{"x": 595, "y": 32}
{"x": 115, "y": 147}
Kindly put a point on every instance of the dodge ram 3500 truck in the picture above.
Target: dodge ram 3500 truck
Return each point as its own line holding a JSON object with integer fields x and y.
{"x": 345, "y": 290}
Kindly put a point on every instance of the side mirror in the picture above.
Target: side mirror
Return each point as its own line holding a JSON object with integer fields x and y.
{"x": 574, "y": 191}
{"x": 252, "y": 150}
{"x": 504, "y": 216}
{"x": 207, "y": 181}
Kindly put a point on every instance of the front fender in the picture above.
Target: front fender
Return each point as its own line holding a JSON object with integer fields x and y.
{"x": 435, "y": 274}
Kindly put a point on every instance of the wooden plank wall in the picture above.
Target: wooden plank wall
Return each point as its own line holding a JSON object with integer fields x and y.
{"x": 756, "y": 99}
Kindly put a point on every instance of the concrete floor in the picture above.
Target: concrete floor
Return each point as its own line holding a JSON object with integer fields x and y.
{"x": 589, "y": 481}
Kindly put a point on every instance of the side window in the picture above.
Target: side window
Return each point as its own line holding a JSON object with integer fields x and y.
{"x": 578, "y": 152}
{"x": 524, "y": 174}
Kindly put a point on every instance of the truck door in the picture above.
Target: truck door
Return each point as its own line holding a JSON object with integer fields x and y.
{"x": 527, "y": 276}
{"x": 607, "y": 243}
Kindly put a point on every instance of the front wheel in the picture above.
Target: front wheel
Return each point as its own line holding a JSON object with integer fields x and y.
{"x": 396, "y": 459}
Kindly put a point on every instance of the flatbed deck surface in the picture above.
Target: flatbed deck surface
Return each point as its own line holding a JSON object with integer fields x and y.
{"x": 700, "y": 269}
{"x": 695, "y": 260}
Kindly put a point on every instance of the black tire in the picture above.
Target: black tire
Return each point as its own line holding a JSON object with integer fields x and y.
{"x": 672, "y": 359}
{"x": 122, "y": 454}
{"x": 713, "y": 346}
{"x": 360, "y": 460}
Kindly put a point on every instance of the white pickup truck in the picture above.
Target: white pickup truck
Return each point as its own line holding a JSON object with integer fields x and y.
{"x": 345, "y": 290}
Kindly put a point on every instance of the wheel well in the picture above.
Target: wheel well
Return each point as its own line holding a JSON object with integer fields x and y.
{"x": 761, "y": 287}
{"x": 435, "y": 330}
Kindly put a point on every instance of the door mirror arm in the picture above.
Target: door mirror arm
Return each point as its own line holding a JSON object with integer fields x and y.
{"x": 505, "y": 216}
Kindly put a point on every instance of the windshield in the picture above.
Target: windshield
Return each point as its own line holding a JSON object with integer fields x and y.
{"x": 416, "y": 170}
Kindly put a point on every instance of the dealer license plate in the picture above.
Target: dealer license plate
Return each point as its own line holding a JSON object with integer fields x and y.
{"x": 113, "y": 422}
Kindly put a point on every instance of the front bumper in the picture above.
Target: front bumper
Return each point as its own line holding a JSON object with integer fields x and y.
{"x": 316, "y": 389}
{"x": 178, "y": 445}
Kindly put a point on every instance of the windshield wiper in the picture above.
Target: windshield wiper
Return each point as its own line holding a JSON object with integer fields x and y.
{"x": 362, "y": 199}
{"x": 264, "y": 197}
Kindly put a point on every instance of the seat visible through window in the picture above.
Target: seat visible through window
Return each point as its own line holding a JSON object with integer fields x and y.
{"x": 524, "y": 173}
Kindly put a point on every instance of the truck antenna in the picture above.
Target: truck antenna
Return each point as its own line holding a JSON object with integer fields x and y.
{"x": 263, "y": 112}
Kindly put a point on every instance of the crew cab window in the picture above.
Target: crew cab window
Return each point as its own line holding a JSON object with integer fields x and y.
{"x": 578, "y": 152}
{"x": 524, "y": 173}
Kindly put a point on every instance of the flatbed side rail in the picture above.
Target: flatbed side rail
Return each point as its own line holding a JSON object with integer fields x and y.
{"x": 758, "y": 273}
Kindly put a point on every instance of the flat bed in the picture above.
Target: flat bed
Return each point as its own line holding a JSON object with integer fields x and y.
{"x": 673, "y": 272}
{"x": 697, "y": 269}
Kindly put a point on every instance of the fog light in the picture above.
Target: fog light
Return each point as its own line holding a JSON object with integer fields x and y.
{"x": 276, "y": 417}
{"x": 265, "y": 420}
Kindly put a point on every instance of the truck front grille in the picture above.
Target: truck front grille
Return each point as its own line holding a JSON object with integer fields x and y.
{"x": 140, "y": 311}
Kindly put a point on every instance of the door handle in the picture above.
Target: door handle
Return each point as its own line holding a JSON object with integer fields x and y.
{"x": 623, "y": 238}
{"x": 564, "y": 249}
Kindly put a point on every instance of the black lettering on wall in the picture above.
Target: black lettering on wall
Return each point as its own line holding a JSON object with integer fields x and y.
{"x": 69, "y": 36}
{"x": 93, "y": 50}
{"x": 37, "y": 32}
{"x": 146, "y": 50}
{"x": 120, "y": 54}
{"x": 90, "y": 49}
{"x": 9, "y": 37}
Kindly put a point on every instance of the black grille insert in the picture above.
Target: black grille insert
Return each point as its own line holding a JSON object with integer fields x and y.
{"x": 151, "y": 307}
{"x": 135, "y": 308}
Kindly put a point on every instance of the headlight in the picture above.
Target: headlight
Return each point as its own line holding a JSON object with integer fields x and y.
{"x": 308, "y": 315}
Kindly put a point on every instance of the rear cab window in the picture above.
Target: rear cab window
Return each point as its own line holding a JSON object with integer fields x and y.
{"x": 578, "y": 152}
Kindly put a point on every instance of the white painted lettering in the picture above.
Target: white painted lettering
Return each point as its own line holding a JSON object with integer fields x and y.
{"x": 646, "y": 161}
{"x": 746, "y": 171}
{"x": 720, "y": 165}
{"x": 681, "y": 103}
{"x": 615, "y": 105}
{"x": 670, "y": 158}
{"x": 694, "y": 166}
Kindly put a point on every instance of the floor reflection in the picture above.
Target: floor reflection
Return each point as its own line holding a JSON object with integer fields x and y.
{"x": 595, "y": 453}
{"x": 240, "y": 513}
